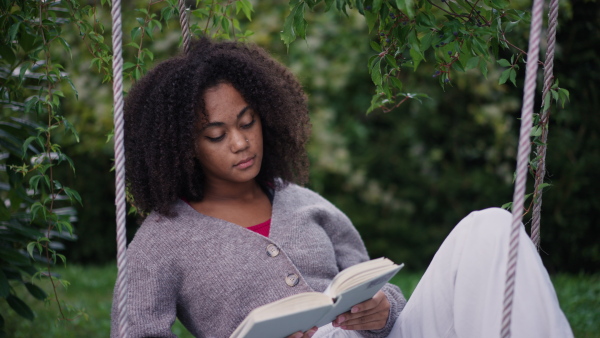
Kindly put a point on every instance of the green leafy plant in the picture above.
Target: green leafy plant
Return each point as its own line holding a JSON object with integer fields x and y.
{"x": 35, "y": 211}
{"x": 456, "y": 35}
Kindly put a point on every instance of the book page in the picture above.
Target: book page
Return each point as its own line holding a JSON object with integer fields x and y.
{"x": 358, "y": 274}
{"x": 346, "y": 299}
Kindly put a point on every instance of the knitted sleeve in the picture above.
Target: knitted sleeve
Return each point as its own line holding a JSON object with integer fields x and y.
{"x": 151, "y": 302}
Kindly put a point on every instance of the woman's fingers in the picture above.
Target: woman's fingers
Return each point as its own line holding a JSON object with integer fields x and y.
{"x": 306, "y": 334}
{"x": 374, "y": 321}
{"x": 371, "y": 314}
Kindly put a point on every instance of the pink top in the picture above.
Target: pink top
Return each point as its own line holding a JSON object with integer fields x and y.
{"x": 262, "y": 228}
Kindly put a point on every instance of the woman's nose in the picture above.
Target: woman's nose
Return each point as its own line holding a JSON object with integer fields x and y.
{"x": 239, "y": 142}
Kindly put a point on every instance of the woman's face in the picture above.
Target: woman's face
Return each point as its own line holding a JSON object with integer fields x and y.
{"x": 230, "y": 145}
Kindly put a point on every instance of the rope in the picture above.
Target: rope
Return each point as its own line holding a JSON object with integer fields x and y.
{"x": 522, "y": 161}
{"x": 123, "y": 322}
{"x": 544, "y": 117}
{"x": 185, "y": 26}
{"x": 120, "y": 168}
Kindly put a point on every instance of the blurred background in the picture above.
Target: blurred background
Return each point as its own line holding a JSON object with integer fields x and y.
{"x": 405, "y": 177}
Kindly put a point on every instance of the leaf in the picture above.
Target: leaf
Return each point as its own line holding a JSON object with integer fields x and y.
{"x": 30, "y": 103}
{"x": 416, "y": 57}
{"x": 426, "y": 42}
{"x": 328, "y": 4}
{"x": 34, "y": 183}
{"x": 128, "y": 65}
{"x": 397, "y": 83}
{"x": 12, "y": 31}
{"x": 480, "y": 47}
{"x": 406, "y": 6}
{"x": 504, "y": 76}
{"x": 62, "y": 258}
{"x": 547, "y": 102}
{"x": 500, "y": 4}
{"x": 504, "y": 63}
{"x": 247, "y": 8}
{"x": 376, "y": 73}
{"x": 563, "y": 96}
{"x": 20, "y": 307}
{"x": 299, "y": 22}
{"x": 65, "y": 45}
{"x": 376, "y": 47}
{"x": 30, "y": 247}
{"x": 37, "y": 207}
{"x": 472, "y": 63}
{"x": 359, "y": 6}
{"x": 536, "y": 131}
{"x": 371, "y": 18}
{"x": 414, "y": 42}
{"x": 391, "y": 61}
{"x": 458, "y": 66}
{"x": 544, "y": 185}
{"x": 26, "y": 145}
{"x": 73, "y": 195}
{"x": 135, "y": 33}
{"x": 512, "y": 76}
{"x": 36, "y": 291}
{"x": 377, "y": 6}
{"x": 288, "y": 35}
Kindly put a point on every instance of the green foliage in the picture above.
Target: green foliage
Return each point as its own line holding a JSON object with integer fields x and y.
{"x": 221, "y": 20}
{"x": 35, "y": 211}
{"x": 456, "y": 35}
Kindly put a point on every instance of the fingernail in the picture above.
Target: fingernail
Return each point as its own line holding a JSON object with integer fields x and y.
{"x": 311, "y": 333}
{"x": 354, "y": 310}
{"x": 341, "y": 319}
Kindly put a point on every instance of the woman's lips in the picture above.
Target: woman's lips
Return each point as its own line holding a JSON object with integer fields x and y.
{"x": 245, "y": 163}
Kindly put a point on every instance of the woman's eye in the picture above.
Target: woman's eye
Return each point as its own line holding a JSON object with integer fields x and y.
{"x": 215, "y": 139}
{"x": 248, "y": 125}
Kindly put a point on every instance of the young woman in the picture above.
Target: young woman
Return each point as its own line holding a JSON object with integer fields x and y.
{"x": 215, "y": 149}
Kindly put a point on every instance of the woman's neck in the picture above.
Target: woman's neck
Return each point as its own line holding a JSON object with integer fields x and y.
{"x": 244, "y": 204}
{"x": 222, "y": 191}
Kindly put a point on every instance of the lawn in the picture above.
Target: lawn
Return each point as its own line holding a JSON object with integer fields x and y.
{"x": 87, "y": 302}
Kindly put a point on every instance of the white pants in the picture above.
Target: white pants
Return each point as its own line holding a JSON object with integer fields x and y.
{"x": 461, "y": 294}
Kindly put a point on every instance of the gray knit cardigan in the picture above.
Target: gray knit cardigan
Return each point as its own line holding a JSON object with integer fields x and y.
{"x": 210, "y": 273}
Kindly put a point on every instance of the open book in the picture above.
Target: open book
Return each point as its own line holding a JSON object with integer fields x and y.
{"x": 302, "y": 311}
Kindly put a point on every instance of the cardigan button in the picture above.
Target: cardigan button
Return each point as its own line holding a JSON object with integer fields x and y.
{"x": 272, "y": 250}
{"x": 292, "y": 279}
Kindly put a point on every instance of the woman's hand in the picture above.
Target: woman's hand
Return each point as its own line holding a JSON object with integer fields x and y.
{"x": 371, "y": 314}
{"x": 306, "y": 334}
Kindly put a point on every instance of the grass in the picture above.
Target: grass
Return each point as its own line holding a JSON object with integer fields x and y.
{"x": 87, "y": 303}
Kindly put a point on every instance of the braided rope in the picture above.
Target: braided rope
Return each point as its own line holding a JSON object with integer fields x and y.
{"x": 522, "y": 161}
{"x": 120, "y": 168}
{"x": 544, "y": 117}
{"x": 185, "y": 26}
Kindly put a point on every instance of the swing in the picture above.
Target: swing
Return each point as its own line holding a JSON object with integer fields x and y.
{"x": 522, "y": 157}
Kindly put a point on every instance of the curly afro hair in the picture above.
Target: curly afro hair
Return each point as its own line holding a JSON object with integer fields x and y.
{"x": 164, "y": 109}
